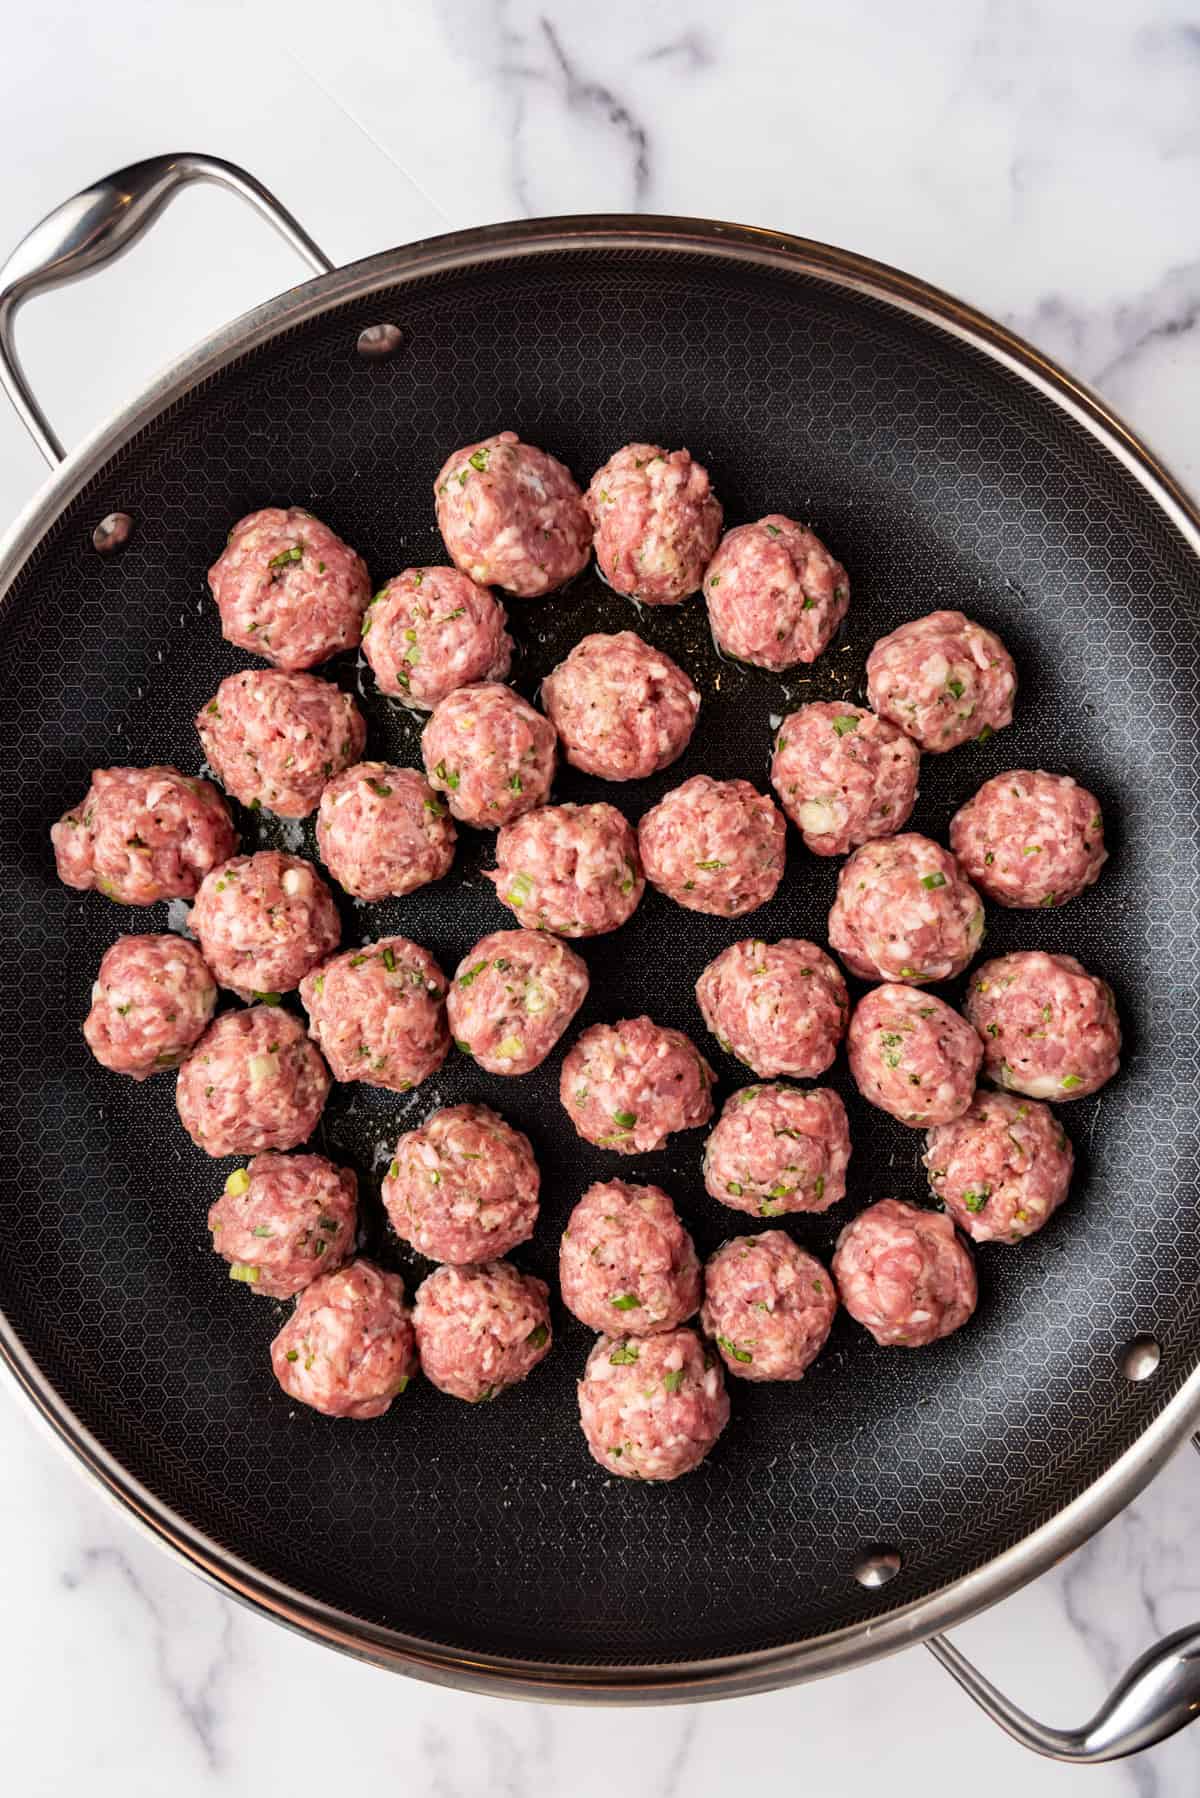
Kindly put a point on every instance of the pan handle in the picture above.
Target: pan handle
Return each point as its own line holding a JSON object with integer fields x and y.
{"x": 101, "y": 222}
{"x": 1158, "y": 1695}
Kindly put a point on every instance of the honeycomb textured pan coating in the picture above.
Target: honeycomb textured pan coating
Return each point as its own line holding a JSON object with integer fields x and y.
{"x": 939, "y": 480}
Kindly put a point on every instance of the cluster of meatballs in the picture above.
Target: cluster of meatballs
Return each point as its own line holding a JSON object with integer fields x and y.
{"x": 463, "y": 1187}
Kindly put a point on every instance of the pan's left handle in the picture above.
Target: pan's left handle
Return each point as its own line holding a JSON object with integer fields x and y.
{"x": 101, "y": 222}
{"x": 1158, "y": 1695}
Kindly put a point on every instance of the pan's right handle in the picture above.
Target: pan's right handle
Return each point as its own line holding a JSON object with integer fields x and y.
{"x": 101, "y": 222}
{"x": 1159, "y": 1694}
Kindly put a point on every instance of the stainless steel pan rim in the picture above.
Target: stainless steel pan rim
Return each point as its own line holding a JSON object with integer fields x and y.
{"x": 726, "y": 1677}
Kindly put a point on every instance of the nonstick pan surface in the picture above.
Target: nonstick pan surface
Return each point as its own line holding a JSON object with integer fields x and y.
{"x": 942, "y": 474}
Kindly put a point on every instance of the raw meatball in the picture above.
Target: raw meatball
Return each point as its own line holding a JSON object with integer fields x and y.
{"x": 622, "y": 709}
{"x": 143, "y": 834}
{"x": 379, "y": 1014}
{"x": 490, "y": 753}
{"x": 288, "y": 590}
{"x": 775, "y": 594}
{"x": 629, "y": 1086}
{"x": 431, "y": 630}
{"x": 263, "y": 921}
{"x": 572, "y": 869}
{"x": 904, "y": 1274}
{"x": 275, "y": 739}
{"x": 651, "y": 1407}
{"x": 152, "y": 1000}
{"x": 284, "y": 1220}
{"x": 1050, "y": 1029}
{"x": 626, "y": 1262}
{"x": 1001, "y": 1168}
{"x": 252, "y": 1082}
{"x": 843, "y": 775}
{"x": 714, "y": 846}
{"x": 512, "y": 517}
{"x": 905, "y": 911}
{"x": 1029, "y": 838}
{"x": 768, "y": 1306}
{"x": 481, "y": 1329}
{"x": 657, "y": 521}
{"x": 943, "y": 679}
{"x": 912, "y": 1056}
{"x": 348, "y": 1348}
{"x": 778, "y": 1149}
{"x": 383, "y": 831}
{"x": 512, "y": 997}
{"x": 781, "y": 1008}
{"x": 463, "y": 1187}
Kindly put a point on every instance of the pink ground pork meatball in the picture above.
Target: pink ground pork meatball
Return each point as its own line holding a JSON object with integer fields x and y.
{"x": 252, "y": 1082}
{"x": 263, "y": 921}
{"x": 463, "y": 1187}
{"x": 274, "y": 739}
{"x": 283, "y": 1221}
{"x": 905, "y": 911}
{"x": 491, "y": 755}
{"x": 943, "y": 680}
{"x": 1002, "y": 1168}
{"x": 1030, "y": 839}
{"x": 780, "y": 1008}
{"x": 775, "y": 595}
{"x": 768, "y": 1306}
{"x": 626, "y": 1262}
{"x": 512, "y": 997}
{"x": 904, "y": 1274}
{"x": 657, "y": 521}
{"x": 912, "y": 1056}
{"x": 288, "y": 590}
{"x": 152, "y": 1000}
{"x": 431, "y": 630}
{"x": 714, "y": 846}
{"x": 652, "y": 1407}
{"x": 572, "y": 869}
{"x": 777, "y": 1149}
{"x": 143, "y": 834}
{"x": 629, "y": 1086}
{"x": 1050, "y": 1029}
{"x": 348, "y": 1348}
{"x": 379, "y": 1014}
{"x": 481, "y": 1329}
{"x": 622, "y": 709}
{"x": 843, "y": 775}
{"x": 512, "y": 517}
{"x": 383, "y": 831}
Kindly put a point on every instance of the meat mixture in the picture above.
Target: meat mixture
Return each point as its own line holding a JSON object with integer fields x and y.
{"x": 626, "y": 1262}
{"x": 904, "y": 1274}
{"x": 152, "y": 1000}
{"x": 777, "y": 1149}
{"x": 512, "y": 517}
{"x": 1030, "y": 839}
{"x": 768, "y": 1305}
{"x": 913, "y": 1056}
{"x": 629, "y": 1086}
{"x": 622, "y": 709}
{"x": 284, "y": 1220}
{"x": 780, "y": 1008}
{"x": 1050, "y": 1029}
{"x": 775, "y": 594}
{"x": 657, "y": 521}
{"x": 379, "y": 1014}
{"x": 431, "y": 630}
{"x": 274, "y": 740}
{"x": 652, "y": 1407}
{"x": 348, "y": 1348}
{"x": 905, "y": 911}
{"x": 463, "y": 1187}
{"x": 252, "y": 1082}
{"x": 288, "y": 589}
{"x": 263, "y": 921}
{"x": 512, "y": 997}
{"x": 843, "y": 775}
{"x": 143, "y": 834}
{"x": 383, "y": 831}
{"x": 714, "y": 846}
{"x": 943, "y": 680}
{"x": 1002, "y": 1168}
{"x": 481, "y": 1329}
{"x": 572, "y": 869}
{"x": 490, "y": 753}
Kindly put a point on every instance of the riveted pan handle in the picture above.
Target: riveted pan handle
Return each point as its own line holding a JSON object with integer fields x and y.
{"x": 101, "y": 222}
{"x": 1158, "y": 1695}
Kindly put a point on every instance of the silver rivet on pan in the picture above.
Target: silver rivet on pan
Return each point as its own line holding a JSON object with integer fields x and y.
{"x": 877, "y": 1567}
{"x": 1141, "y": 1358}
{"x": 377, "y": 341}
{"x": 112, "y": 533}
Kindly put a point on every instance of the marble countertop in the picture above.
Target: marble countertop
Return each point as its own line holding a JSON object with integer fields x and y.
{"x": 1040, "y": 160}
